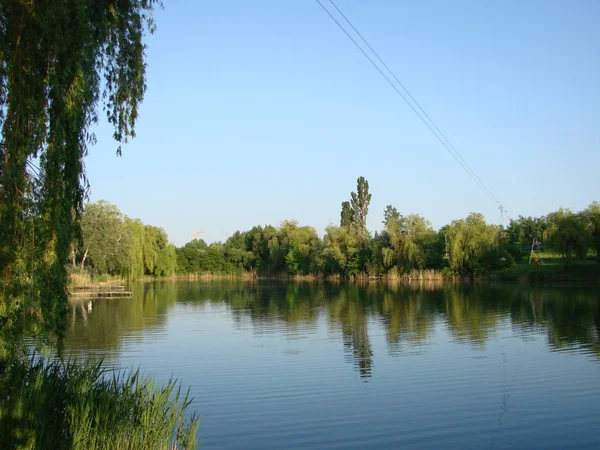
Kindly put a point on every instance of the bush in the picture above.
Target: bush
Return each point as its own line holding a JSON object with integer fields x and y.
{"x": 64, "y": 405}
{"x": 515, "y": 251}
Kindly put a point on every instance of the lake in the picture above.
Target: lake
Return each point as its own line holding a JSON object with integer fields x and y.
{"x": 286, "y": 365}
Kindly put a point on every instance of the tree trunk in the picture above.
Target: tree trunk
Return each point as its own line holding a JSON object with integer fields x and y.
{"x": 83, "y": 259}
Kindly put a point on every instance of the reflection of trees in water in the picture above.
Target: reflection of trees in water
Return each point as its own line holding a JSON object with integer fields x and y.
{"x": 409, "y": 316}
{"x": 473, "y": 312}
{"x": 408, "y": 312}
{"x": 110, "y": 319}
{"x": 348, "y": 307}
{"x": 570, "y": 317}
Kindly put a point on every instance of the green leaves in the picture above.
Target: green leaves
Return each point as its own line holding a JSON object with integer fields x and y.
{"x": 53, "y": 56}
{"x": 568, "y": 233}
{"x": 118, "y": 245}
{"x": 347, "y": 215}
{"x": 359, "y": 201}
{"x": 468, "y": 240}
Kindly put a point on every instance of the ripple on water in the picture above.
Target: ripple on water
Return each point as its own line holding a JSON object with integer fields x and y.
{"x": 273, "y": 367}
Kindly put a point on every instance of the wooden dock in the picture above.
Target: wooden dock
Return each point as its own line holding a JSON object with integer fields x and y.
{"x": 97, "y": 291}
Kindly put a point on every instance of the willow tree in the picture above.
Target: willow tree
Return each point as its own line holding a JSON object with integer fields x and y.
{"x": 61, "y": 62}
{"x": 419, "y": 238}
{"x": 468, "y": 240}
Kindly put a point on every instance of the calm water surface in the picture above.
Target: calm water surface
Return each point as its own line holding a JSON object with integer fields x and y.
{"x": 299, "y": 365}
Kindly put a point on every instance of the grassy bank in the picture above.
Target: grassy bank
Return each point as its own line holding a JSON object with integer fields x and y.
{"x": 63, "y": 405}
{"x": 553, "y": 270}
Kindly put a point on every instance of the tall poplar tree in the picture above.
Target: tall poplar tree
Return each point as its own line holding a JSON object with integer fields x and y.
{"x": 359, "y": 202}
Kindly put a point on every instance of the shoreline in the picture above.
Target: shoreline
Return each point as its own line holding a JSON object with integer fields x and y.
{"x": 523, "y": 275}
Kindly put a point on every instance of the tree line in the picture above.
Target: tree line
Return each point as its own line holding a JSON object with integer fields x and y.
{"x": 116, "y": 244}
{"x": 468, "y": 247}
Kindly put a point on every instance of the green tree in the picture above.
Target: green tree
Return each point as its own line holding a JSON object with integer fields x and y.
{"x": 189, "y": 257}
{"x": 166, "y": 263}
{"x": 340, "y": 252}
{"x": 379, "y": 264}
{"x": 592, "y": 216}
{"x": 59, "y": 61}
{"x": 359, "y": 203}
{"x": 468, "y": 241}
{"x": 568, "y": 234}
{"x": 395, "y": 229}
{"x": 412, "y": 242}
{"x": 257, "y": 242}
{"x": 291, "y": 261}
{"x": 347, "y": 215}
{"x": 524, "y": 230}
{"x": 133, "y": 258}
{"x": 237, "y": 254}
{"x": 391, "y": 216}
{"x": 104, "y": 236}
{"x": 159, "y": 255}
{"x": 300, "y": 247}
{"x": 418, "y": 242}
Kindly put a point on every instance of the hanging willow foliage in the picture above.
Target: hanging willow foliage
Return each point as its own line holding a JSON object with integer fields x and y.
{"x": 61, "y": 63}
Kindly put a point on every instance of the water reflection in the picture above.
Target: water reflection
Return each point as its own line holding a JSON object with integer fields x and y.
{"x": 99, "y": 327}
{"x": 409, "y": 314}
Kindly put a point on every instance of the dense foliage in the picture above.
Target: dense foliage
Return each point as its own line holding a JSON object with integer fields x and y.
{"x": 406, "y": 246}
{"x": 60, "y": 61}
{"x": 115, "y": 244}
{"x": 64, "y": 405}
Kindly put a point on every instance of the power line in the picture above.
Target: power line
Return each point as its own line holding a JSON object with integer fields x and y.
{"x": 432, "y": 127}
{"x": 416, "y": 103}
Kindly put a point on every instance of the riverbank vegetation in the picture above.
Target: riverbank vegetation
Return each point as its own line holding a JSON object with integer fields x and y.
{"x": 406, "y": 246}
{"x": 66, "y": 405}
{"x": 61, "y": 64}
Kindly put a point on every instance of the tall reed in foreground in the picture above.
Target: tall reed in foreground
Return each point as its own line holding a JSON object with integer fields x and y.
{"x": 57, "y": 404}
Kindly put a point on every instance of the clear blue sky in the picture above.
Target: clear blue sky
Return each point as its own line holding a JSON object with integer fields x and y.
{"x": 262, "y": 111}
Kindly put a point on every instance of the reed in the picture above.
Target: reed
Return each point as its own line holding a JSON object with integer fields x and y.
{"x": 83, "y": 278}
{"x": 58, "y": 404}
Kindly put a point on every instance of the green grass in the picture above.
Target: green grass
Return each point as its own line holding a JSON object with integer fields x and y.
{"x": 556, "y": 259}
{"x": 64, "y": 405}
{"x": 552, "y": 270}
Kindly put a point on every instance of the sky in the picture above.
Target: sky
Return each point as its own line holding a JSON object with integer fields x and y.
{"x": 257, "y": 112}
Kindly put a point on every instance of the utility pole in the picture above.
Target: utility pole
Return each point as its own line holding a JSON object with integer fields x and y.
{"x": 535, "y": 252}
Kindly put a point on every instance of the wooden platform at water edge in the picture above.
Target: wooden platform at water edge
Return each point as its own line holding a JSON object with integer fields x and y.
{"x": 97, "y": 291}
